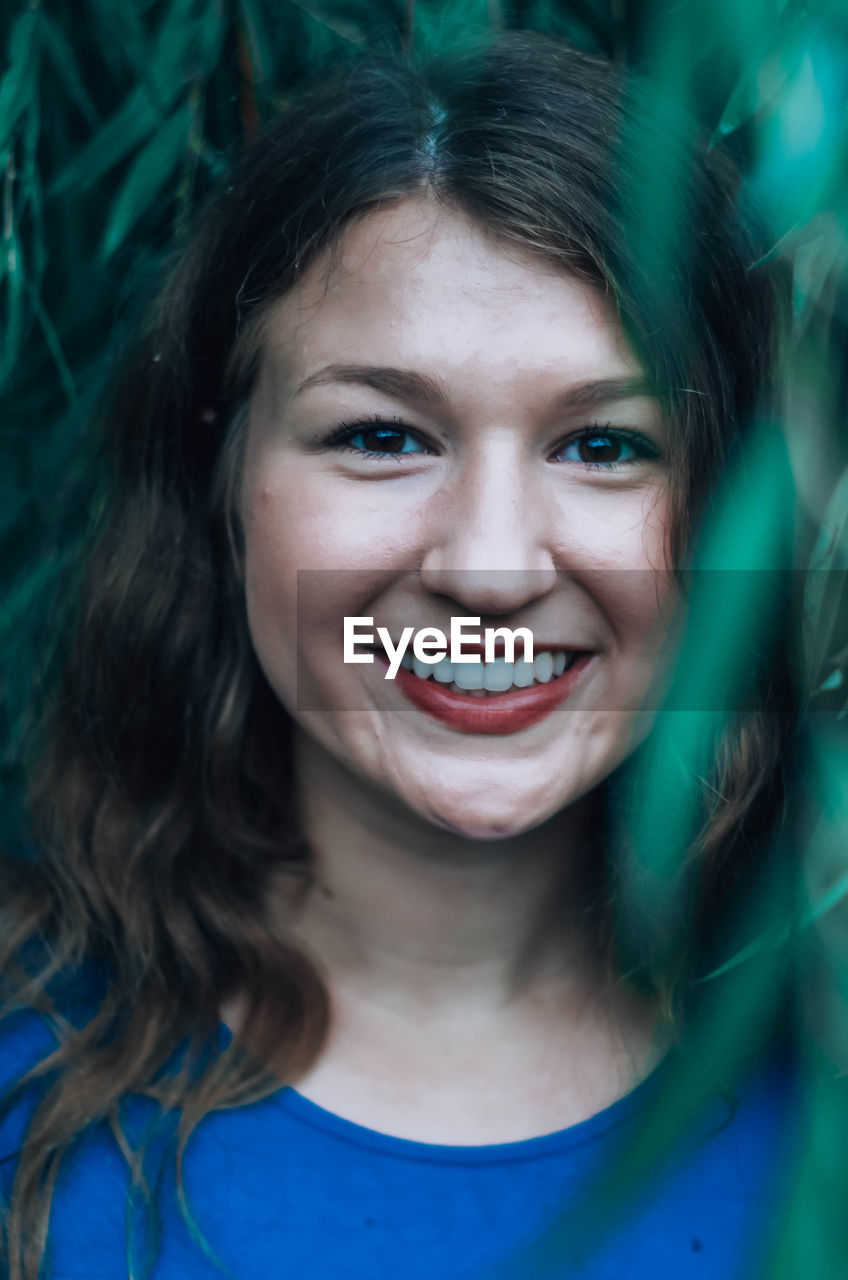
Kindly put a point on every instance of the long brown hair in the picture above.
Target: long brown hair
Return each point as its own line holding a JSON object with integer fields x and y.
{"x": 158, "y": 812}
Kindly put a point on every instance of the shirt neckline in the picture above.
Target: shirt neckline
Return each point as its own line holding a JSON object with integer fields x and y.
{"x": 316, "y": 1117}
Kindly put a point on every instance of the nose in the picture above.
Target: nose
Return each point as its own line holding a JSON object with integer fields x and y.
{"x": 490, "y": 548}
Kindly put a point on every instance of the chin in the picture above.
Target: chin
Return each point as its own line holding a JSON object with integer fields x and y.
{"x": 487, "y": 816}
{"x": 483, "y": 827}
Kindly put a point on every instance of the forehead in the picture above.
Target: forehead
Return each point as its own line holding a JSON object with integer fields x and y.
{"x": 420, "y": 283}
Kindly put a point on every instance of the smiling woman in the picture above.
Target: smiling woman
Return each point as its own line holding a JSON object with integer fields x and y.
{"x": 354, "y": 937}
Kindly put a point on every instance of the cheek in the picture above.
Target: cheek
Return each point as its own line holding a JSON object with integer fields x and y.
{"x": 307, "y": 520}
{"x": 613, "y": 527}
{"x": 274, "y": 540}
{"x": 313, "y": 555}
{"x": 622, "y": 564}
{"x": 641, "y": 528}
{"x": 657, "y": 527}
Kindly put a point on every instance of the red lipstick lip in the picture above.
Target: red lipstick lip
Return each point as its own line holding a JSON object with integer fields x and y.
{"x": 505, "y": 713}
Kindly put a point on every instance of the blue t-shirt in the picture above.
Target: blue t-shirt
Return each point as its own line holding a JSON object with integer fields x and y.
{"x": 284, "y": 1190}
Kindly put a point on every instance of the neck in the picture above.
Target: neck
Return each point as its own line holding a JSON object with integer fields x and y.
{"x": 419, "y": 913}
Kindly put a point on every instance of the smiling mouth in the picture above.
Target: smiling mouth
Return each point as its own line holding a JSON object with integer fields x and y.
{"x": 493, "y": 679}
{"x": 507, "y": 709}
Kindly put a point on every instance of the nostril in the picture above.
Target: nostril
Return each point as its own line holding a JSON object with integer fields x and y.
{"x": 488, "y": 591}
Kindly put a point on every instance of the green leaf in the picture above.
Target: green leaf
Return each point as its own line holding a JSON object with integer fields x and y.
{"x": 327, "y": 16}
{"x": 586, "y": 23}
{"x": 54, "y": 346}
{"x": 256, "y": 37}
{"x": 819, "y": 263}
{"x": 439, "y": 26}
{"x": 147, "y": 176}
{"x": 18, "y": 82}
{"x": 14, "y": 504}
{"x": 800, "y": 235}
{"x": 15, "y": 281}
{"x": 64, "y": 63}
{"x": 129, "y": 127}
{"x": 803, "y": 145}
{"x": 767, "y": 70}
{"x": 117, "y": 27}
{"x": 185, "y": 47}
{"x": 17, "y": 604}
{"x": 206, "y": 43}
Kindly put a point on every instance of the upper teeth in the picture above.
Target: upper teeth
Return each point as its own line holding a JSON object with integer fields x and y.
{"x": 493, "y": 677}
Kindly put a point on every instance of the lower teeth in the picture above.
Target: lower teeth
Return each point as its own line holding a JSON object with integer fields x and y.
{"x": 484, "y": 693}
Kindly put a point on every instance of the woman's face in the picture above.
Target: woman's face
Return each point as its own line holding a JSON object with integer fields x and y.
{"x": 445, "y": 426}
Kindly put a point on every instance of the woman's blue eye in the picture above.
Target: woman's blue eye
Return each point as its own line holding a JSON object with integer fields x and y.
{"x": 604, "y": 447}
{"x": 385, "y": 440}
{"x": 378, "y": 439}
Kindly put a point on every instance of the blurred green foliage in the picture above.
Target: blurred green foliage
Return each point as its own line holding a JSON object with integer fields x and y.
{"x": 117, "y": 116}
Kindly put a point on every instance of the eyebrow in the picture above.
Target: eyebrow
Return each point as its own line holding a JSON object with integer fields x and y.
{"x": 401, "y": 384}
{"x": 416, "y": 388}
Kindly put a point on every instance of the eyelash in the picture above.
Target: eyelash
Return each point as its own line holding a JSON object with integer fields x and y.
{"x": 345, "y": 432}
{"x": 643, "y": 448}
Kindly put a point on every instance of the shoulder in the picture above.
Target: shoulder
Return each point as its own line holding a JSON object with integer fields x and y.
{"x": 28, "y": 1040}
{"x": 93, "y": 1203}
{"x": 28, "y": 1037}
{"x": 727, "y": 1184}
{"x": 730, "y": 1131}
{"x": 759, "y": 1115}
